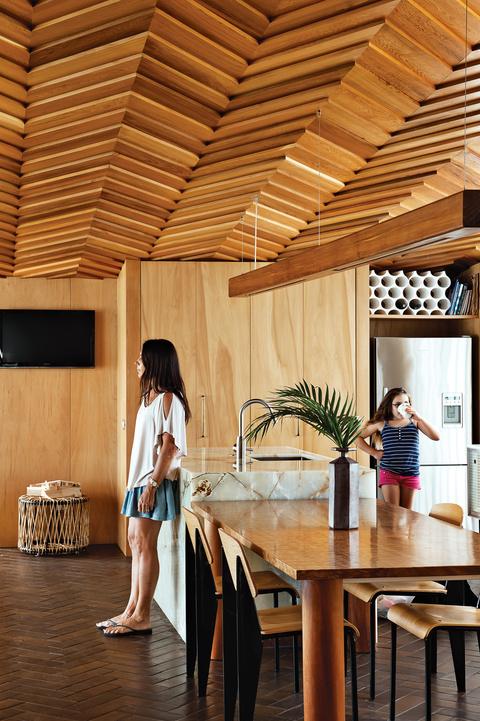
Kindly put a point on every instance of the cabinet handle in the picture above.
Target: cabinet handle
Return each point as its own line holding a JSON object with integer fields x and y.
{"x": 298, "y": 427}
{"x": 203, "y": 411}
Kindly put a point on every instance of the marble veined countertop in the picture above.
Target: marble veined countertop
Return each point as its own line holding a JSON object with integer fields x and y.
{"x": 221, "y": 460}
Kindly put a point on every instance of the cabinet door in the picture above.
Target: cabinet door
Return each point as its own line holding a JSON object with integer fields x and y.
{"x": 168, "y": 311}
{"x": 223, "y": 354}
{"x": 330, "y": 341}
{"x": 277, "y": 354}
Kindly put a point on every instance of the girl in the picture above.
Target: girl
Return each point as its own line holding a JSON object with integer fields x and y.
{"x": 158, "y": 445}
{"x": 399, "y": 459}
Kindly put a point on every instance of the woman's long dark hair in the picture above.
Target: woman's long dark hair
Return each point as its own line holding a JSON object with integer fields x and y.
{"x": 384, "y": 411}
{"x": 162, "y": 371}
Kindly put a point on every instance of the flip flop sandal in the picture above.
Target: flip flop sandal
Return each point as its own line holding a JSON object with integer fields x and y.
{"x": 106, "y": 624}
{"x": 129, "y": 632}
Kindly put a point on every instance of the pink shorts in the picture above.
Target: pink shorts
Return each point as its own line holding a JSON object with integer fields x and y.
{"x": 389, "y": 478}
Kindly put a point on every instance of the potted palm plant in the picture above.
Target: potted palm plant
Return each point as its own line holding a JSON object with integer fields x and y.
{"x": 333, "y": 417}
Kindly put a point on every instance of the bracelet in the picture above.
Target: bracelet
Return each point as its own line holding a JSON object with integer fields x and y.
{"x": 152, "y": 482}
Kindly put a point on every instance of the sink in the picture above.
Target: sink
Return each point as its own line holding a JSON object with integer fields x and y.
{"x": 283, "y": 457}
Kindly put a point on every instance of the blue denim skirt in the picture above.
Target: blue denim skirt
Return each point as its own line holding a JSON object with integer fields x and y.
{"x": 166, "y": 502}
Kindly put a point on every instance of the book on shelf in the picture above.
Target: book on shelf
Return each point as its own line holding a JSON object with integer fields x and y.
{"x": 463, "y": 300}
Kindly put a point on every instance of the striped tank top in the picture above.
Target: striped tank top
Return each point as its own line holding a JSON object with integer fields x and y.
{"x": 400, "y": 449}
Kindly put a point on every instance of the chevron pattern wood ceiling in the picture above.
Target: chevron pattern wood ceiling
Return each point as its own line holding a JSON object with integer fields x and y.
{"x": 186, "y": 129}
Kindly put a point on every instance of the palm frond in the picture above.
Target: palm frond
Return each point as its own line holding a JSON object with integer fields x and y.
{"x": 324, "y": 410}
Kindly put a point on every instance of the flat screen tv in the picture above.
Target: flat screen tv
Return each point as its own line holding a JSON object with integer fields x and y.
{"x": 47, "y": 338}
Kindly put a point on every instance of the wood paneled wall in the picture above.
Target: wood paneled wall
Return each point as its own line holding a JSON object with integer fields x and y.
{"x": 233, "y": 349}
{"x": 60, "y": 423}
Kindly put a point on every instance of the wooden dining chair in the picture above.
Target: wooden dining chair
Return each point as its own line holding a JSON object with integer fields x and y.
{"x": 424, "y": 621}
{"x": 369, "y": 592}
{"x": 254, "y": 627}
{"x": 204, "y": 590}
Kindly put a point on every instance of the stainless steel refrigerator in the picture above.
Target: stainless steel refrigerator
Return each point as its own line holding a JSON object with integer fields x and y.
{"x": 437, "y": 372}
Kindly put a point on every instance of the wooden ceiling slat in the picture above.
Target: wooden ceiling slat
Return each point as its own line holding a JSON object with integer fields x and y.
{"x": 186, "y": 62}
{"x": 295, "y": 70}
{"x": 182, "y": 83}
{"x": 84, "y": 19}
{"x": 304, "y": 52}
{"x": 199, "y": 17}
{"x": 167, "y": 27}
{"x": 312, "y": 32}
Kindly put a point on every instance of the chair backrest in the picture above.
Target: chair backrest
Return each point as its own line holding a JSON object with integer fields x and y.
{"x": 194, "y": 526}
{"x": 233, "y": 551}
{"x": 449, "y": 512}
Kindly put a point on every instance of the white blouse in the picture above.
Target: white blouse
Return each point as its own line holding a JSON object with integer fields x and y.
{"x": 149, "y": 427}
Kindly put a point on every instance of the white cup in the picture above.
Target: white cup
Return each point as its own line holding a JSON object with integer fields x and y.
{"x": 402, "y": 409}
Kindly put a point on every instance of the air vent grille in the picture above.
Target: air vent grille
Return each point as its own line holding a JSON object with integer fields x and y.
{"x": 473, "y": 480}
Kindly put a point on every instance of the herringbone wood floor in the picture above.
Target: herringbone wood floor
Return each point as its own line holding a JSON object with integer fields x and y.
{"x": 55, "y": 666}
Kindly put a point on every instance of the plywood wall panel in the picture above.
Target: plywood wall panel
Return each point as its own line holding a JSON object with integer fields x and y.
{"x": 329, "y": 340}
{"x": 52, "y": 423}
{"x": 277, "y": 353}
{"x": 168, "y": 302}
{"x": 223, "y": 361}
{"x": 94, "y": 409}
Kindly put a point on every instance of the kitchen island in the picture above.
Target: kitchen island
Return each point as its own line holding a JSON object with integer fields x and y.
{"x": 208, "y": 474}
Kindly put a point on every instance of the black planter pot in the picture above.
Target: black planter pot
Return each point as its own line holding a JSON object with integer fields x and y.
{"x": 343, "y": 492}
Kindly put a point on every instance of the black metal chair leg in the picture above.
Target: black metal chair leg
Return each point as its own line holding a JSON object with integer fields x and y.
{"x": 296, "y": 675}
{"x": 190, "y": 605}
{"x": 393, "y": 671}
{"x": 433, "y": 642}
{"x": 457, "y": 644}
{"x": 206, "y": 617}
{"x": 249, "y": 649}
{"x": 373, "y": 639}
{"x": 230, "y": 682}
{"x": 353, "y": 662}
{"x": 478, "y": 639}
{"x": 277, "y": 642}
{"x": 428, "y": 680}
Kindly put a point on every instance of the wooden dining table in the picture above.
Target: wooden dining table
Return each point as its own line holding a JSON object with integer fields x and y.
{"x": 294, "y": 537}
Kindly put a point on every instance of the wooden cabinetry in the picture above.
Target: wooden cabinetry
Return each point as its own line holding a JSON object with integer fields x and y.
{"x": 277, "y": 353}
{"x": 189, "y": 304}
{"x": 168, "y": 303}
{"x": 223, "y": 354}
{"x": 329, "y": 341}
{"x": 232, "y": 349}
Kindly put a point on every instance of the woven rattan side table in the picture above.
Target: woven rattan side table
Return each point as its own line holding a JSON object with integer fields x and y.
{"x": 52, "y": 525}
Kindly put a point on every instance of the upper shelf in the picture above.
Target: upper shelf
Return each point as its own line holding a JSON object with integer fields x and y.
{"x": 421, "y": 317}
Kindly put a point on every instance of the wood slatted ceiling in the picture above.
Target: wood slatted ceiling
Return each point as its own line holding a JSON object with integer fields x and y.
{"x": 166, "y": 129}
{"x": 421, "y": 161}
{"x": 15, "y": 24}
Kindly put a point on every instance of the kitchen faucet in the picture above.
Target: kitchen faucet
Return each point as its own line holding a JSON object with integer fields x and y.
{"x": 241, "y": 444}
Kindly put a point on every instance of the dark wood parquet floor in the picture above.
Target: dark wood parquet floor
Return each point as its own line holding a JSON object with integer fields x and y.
{"x": 55, "y": 666}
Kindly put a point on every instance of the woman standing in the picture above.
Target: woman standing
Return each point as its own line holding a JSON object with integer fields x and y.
{"x": 158, "y": 445}
{"x": 398, "y": 426}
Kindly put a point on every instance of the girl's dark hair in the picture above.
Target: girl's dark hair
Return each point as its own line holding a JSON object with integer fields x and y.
{"x": 162, "y": 371}
{"x": 384, "y": 411}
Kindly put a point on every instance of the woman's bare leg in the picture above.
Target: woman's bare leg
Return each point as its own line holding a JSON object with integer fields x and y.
{"x": 406, "y": 497}
{"x": 391, "y": 494}
{"x": 132, "y": 601}
{"x": 144, "y": 535}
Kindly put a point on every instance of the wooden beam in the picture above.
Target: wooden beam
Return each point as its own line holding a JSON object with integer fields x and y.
{"x": 452, "y": 217}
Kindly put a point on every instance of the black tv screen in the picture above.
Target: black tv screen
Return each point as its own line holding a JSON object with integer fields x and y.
{"x": 47, "y": 338}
